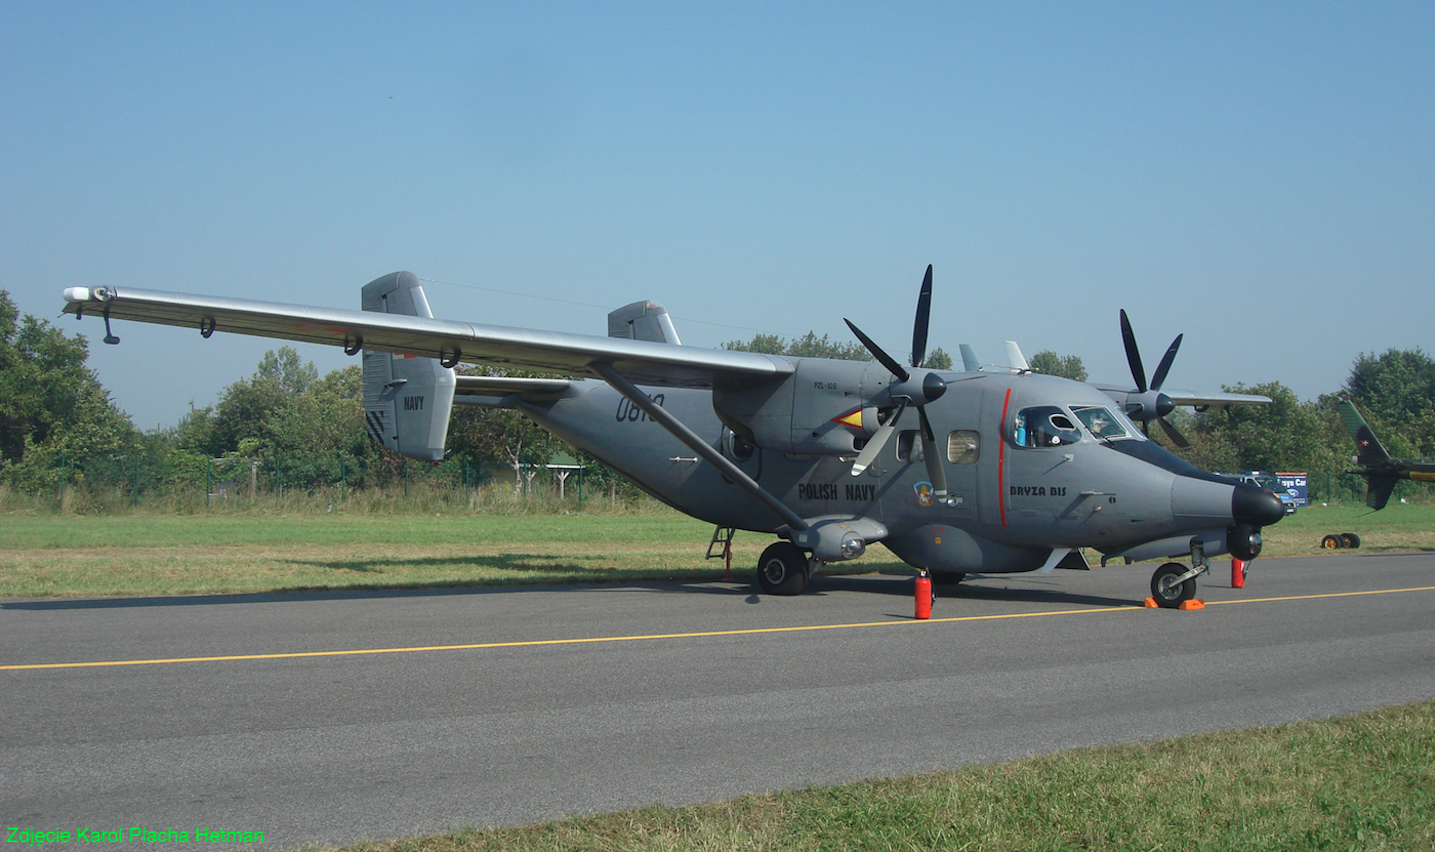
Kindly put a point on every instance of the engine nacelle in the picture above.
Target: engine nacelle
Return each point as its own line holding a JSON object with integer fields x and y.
{"x": 824, "y": 408}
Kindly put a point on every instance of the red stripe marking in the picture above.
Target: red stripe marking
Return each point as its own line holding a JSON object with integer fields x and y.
{"x": 1001, "y": 458}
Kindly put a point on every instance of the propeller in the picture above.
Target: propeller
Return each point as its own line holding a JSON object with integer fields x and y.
{"x": 1148, "y": 403}
{"x": 908, "y": 390}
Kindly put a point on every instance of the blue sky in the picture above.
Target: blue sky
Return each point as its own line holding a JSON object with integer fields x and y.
{"x": 1258, "y": 176}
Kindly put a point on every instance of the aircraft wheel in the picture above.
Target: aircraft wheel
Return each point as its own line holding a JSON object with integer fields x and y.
{"x": 1167, "y": 592}
{"x": 1352, "y": 540}
{"x": 948, "y": 578}
{"x": 782, "y": 570}
{"x": 1332, "y": 542}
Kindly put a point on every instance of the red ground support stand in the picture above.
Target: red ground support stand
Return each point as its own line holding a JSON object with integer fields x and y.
{"x": 1238, "y": 574}
{"x": 924, "y": 594}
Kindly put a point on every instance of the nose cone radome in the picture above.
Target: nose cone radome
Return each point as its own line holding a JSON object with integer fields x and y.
{"x": 1255, "y": 506}
{"x": 1200, "y": 502}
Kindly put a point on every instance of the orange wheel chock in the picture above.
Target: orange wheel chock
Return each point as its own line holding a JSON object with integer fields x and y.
{"x": 1194, "y": 603}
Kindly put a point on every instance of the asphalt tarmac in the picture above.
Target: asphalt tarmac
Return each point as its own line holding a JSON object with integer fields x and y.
{"x": 329, "y": 718}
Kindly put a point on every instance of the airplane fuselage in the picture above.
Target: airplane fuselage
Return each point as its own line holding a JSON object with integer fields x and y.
{"x": 1014, "y": 498}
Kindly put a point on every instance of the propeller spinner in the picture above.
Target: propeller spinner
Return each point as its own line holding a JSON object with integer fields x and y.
{"x": 909, "y": 390}
{"x": 1148, "y": 403}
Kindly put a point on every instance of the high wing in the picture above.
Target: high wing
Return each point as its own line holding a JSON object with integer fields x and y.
{"x": 449, "y": 341}
{"x": 1195, "y": 398}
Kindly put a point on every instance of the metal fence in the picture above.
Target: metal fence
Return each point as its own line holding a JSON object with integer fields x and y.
{"x": 138, "y": 479}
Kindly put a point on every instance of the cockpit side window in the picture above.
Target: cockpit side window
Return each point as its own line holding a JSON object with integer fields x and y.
{"x": 1101, "y": 421}
{"x": 1044, "y": 426}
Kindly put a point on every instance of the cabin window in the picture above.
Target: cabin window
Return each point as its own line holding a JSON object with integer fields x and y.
{"x": 909, "y": 446}
{"x": 1044, "y": 426}
{"x": 964, "y": 446}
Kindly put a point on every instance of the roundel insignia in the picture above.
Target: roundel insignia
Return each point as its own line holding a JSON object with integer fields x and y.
{"x": 852, "y": 418}
{"x": 924, "y": 493}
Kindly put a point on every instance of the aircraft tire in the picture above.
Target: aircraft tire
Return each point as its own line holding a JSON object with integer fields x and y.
{"x": 1352, "y": 540}
{"x": 782, "y": 570}
{"x": 948, "y": 578}
{"x": 1332, "y": 542}
{"x": 1171, "y": 595}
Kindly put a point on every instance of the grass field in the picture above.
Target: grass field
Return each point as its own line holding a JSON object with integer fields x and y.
{"x": 50, "y": 554}
{"x": 1364, "y": 782}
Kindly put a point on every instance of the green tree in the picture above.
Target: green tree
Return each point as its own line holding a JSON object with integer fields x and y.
{"x": 807, "y": 346}
{"x": 319, "y": 425}
{"x": 1066, "y": 366}
{"x": 285, "y": 413}
{"x": 811, "y": 346}
{"x": 1285, "y": 435}
{"x": 938, "y": 359}
{"x": 499, "y": 437}
{"x": 1396, "y": 391}
{"x": 50, "y": 402}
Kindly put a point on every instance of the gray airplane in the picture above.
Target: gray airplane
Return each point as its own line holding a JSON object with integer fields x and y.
{"x": 999, "y": 473}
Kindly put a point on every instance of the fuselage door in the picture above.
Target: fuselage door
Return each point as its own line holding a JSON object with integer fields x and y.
{"x": 1042, "y": 476}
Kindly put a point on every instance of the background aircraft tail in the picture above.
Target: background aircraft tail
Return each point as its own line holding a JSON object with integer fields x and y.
{"x": 407, "y": 400}
{"x": 1379, "y": 468}
{"x": 1369, "y": 451}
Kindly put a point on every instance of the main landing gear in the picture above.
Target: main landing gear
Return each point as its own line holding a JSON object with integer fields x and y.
{"x": 783, "y": 569}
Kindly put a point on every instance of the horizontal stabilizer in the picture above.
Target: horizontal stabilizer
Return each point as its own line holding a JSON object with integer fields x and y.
{"x": 501, "y": 391}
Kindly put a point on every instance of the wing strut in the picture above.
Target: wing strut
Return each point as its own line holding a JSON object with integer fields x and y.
{"x": 704, "y": 450}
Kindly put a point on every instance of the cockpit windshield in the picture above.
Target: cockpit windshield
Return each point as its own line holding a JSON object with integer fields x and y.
{"x": 1045, "y": 426}
{"x": 1053, "y": 426}
{"x": 1103, "y": 422}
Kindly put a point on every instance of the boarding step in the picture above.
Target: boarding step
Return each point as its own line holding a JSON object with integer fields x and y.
{"x": 722, "y": 542}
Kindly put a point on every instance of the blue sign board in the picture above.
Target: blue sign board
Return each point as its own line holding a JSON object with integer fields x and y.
{"x": 1298, "y": 484}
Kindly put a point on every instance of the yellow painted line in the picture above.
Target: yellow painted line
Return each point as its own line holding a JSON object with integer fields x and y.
{"x": 709, "y": 633}
{"x": 1326, "y": 595}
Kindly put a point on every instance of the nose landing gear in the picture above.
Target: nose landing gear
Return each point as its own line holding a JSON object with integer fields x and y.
{"x": 1173, "y": 583}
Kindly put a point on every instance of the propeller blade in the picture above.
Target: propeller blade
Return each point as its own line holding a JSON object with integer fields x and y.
{"x": 935, "y": 472}
{"x": 924, "y": 315}
{"x": 1165, "y": 365}
{"x": 1133, "y": 354}
{"x": 882, "y": 357}
{"x": 1176, "y": 437}
{"x": 879, "y": 440}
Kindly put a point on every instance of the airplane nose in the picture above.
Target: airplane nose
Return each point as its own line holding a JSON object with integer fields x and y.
{"x": 1255, "y": 506}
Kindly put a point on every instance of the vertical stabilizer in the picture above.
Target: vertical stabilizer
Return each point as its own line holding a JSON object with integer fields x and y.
{"x": 407, "y": 400}
{"x": 643, "y": 321}
{"x": 969, "y": 359}
{"x": 1369, "y": 450}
